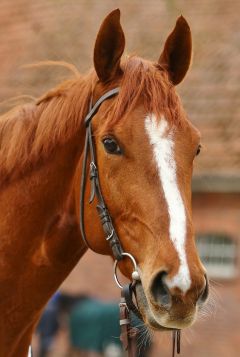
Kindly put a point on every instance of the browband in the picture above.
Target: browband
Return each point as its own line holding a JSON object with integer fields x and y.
{"x": 96, "y": 106}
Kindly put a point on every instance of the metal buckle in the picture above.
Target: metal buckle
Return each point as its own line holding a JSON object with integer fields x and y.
{"x": 135, "y": 273}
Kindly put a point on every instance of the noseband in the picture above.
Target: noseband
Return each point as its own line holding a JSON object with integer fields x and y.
{"x": 128, "y": 334}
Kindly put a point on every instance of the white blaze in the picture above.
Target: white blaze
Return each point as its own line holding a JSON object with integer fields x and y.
{"x": 161, "y": 140}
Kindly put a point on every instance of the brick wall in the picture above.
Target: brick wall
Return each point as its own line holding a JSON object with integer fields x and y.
{"x": 217, "y": 213}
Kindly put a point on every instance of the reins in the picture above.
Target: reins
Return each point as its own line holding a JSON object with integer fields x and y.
{"x": 126, "y": 305}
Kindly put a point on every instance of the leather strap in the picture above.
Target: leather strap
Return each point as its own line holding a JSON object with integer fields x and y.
{"x": 127, "y": 293}
{"x": 176, "y": 342}
{"x": 94, "y": 109}
{"x": 89, "y": 148}
{"x": 128, "y": 335}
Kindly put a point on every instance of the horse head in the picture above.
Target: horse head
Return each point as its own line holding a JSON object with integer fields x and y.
{"x": 145, "y": 149}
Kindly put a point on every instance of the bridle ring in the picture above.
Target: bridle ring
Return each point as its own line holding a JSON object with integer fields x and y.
{"x": 135, "y": 274}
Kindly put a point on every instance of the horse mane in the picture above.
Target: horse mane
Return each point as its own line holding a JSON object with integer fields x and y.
{"x": 31, "y": 132}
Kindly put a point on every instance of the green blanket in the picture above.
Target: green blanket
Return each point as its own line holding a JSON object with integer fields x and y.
{"x": 94, "y": 325}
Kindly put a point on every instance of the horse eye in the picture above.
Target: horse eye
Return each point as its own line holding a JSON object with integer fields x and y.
{"x": 198, "y": 150}
{"x": 111, "y": 146}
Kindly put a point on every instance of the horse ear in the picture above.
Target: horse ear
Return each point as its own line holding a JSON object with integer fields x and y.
{"x": 109, "y": 47}
{"x": 177, "y": 52}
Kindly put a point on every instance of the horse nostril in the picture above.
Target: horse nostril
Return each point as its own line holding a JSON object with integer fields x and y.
{"x": 204, "y": 294}
{"x": 160, "y": 290}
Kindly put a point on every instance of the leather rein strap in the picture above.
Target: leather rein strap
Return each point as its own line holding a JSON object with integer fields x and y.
{"x": 129, "y": 334}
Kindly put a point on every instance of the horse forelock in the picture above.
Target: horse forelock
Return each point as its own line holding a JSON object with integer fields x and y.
{"x": 146, "y": 83}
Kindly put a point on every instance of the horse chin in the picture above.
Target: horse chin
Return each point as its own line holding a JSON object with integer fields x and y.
{"x": 159, "y": 321}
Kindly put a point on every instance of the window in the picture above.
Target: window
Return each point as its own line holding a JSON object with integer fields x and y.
{"x": 218, "y": 254}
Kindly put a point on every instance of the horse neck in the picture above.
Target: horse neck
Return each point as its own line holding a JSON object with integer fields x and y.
{"x": 40, "y": 241}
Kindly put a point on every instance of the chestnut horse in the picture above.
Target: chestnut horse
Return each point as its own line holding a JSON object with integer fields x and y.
{"x": 145, "y": 148}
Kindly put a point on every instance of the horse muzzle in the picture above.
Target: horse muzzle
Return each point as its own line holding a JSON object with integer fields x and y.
{"x": 164, "y": 309}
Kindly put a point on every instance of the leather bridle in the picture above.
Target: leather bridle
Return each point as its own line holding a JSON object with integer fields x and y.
{"x": 128, "y": 334}
{"x": 105, "y": 218}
